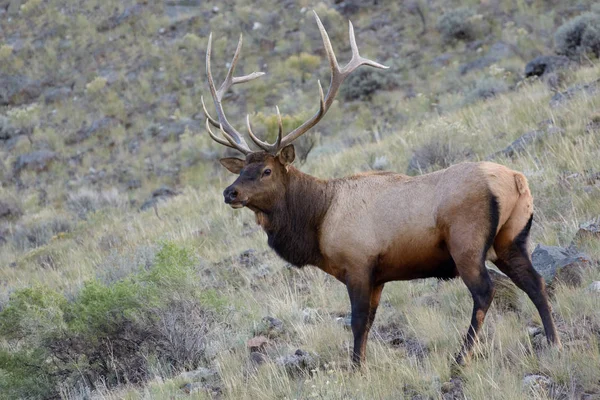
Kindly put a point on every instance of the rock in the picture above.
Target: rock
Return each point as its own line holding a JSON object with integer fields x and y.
{"x": 257, "y": 343}
{"x": 557, "y": 264}
{"x": 85, "y": 132}
{"x": 118, "y": 19}
{"x": 301, "y": 362}
{"x": 544, "y": 65}
{"x": 160, "y": 194}
{"x": 270, "y": 327}
{"x": 589, "y": 230}
{"x": 452, "y": 390}
{"x": 529, "y": 138}
{"x": 34, "y": 161}
{"x": 258, "y": 358}
{"x": 18, "y": 89}
{"x": 200, "y": 375}
{"x": 562, "y": 97}
{"x": 536, "y": 383}
{"x": 507, "y": 293}
{"x": 594, "y": 287}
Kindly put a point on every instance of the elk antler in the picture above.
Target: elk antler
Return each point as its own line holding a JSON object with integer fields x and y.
{"x": 234, "y": 138}
{"x": 338, "y": 75}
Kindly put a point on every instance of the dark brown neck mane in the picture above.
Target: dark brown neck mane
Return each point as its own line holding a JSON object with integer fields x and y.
{"x": 293, "y": 225}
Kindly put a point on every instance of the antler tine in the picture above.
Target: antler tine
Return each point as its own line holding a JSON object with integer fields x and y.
{"x": 338, "y": 75}
{"x": 215, "y": 137}
{"x": 264, "y": 145}
{"x": 357, "y": 60}
{"x": 234, "y": 138}
{"x": 209, "y": 118}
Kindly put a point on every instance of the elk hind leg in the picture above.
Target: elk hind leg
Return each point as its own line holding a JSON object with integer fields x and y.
{"x": 514, "y": 261}
{"x": 476, "y": 278}
{"x": 468, "y": 248}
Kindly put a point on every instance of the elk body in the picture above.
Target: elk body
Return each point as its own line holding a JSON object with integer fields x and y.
{"x": 372, "y": 228}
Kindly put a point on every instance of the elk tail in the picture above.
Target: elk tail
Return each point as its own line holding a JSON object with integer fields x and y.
{"x": 521, "y": 182}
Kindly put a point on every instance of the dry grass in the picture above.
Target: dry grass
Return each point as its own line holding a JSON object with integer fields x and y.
{"x": 419, "y": 324}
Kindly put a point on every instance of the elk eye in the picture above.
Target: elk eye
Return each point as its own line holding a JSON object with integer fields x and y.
{"x": 267, "y": 172}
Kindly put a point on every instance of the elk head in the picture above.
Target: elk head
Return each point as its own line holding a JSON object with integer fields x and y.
{"x": 263, "y": 174}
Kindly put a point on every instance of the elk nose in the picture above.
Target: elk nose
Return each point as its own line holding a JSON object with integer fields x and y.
{"x": 230, "y": 194}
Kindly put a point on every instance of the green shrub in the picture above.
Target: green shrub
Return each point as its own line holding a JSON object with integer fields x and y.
{"x": 108, "y": 332}
{"x": 579, "y": 36}
{"x": 362, "y": 84}
{"x": 457, "y": 25}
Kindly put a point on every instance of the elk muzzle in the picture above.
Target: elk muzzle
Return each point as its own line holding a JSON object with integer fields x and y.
{"x": 233, "y": 198}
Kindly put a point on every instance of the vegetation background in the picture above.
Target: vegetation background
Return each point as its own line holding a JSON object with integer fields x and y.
{"x": 123, "y": 274}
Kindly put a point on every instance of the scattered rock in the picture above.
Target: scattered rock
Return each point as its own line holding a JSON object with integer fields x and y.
{"x": 270, "y": 327}
{"x": 258, "y": 358}
{"x": 562, "y": 97}
{"x": 557, "y": 264}
{"x": 529, "y": 138}
{"x": 594, "y": 287}
{"x": 35, "y": 161}
{"x": 85, "y": 132}
{"x": 160, "y": 194}
{"x": 257, "y": 343}
{"x": 536, "y": 383}
{"x": 589, "y": 230}
{"x": 18, "y": 89}
{"x": 395, "y": 336}
{"x": 544, "y": 65}
{"x": 299, "y": 363}
{"x": 452, "y": 390}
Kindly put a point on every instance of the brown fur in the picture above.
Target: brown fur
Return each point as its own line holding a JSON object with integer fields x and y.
{"x": 374, "y": 227}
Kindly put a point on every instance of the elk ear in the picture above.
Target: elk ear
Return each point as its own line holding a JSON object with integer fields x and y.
{"x": 234, "y": 165}
{"x": 287, "y": 154}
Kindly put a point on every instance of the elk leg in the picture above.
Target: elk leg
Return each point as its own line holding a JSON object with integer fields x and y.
{"x": 480, "y": 285}
{"x": 517, "y": 266}
{"x": 375, "y": 297}
{"x": 364, "y": 300}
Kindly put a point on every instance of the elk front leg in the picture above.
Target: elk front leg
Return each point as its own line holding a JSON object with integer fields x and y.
{"x": 364, "y": 299}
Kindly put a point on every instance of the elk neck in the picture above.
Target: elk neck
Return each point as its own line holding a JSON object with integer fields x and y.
{"x": 294, "y": 222}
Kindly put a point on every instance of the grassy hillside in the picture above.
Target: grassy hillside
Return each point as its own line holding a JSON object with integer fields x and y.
{"x": 111, "y": 287}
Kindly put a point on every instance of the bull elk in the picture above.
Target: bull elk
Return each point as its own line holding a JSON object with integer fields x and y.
{"x": 375, "y": 227}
